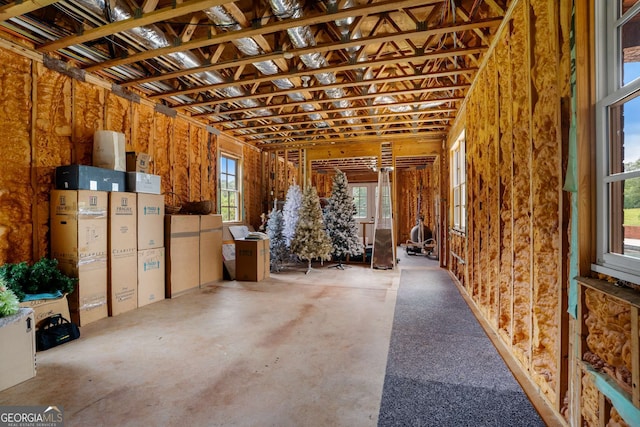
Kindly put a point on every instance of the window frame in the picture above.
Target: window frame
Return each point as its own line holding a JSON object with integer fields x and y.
{"x": 356, "y": 201}
{"x": 610, "y": 93}
{"x": 237, "y": 191}
{"x": 458, "y": 182}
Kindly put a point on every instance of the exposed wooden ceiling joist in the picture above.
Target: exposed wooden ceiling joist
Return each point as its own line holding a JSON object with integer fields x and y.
{"x": 318, "y": 75}
{"x": 22, "y": 7}
{"x": 164, "y": 14}
{"x": 321, "y": 48}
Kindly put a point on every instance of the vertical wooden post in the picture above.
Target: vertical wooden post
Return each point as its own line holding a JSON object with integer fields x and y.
{"x": 35, "y": 217}
{"x": 604, "y": 410}
{"x": 276, "y": 184}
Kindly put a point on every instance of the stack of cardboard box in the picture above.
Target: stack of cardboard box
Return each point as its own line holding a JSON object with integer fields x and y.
{"x": 211, "y": 270}
{"x": 194, "y": 252}
{"x": 114, "y": 241}
{"x": 122, "y": 293}
{"x": 151, "y": 256}
{"x": 79, "y": 242}
{"x": 111, "y": 240}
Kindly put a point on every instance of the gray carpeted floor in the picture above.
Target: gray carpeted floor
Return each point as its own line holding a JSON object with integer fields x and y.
{"x": 442, "y": 369}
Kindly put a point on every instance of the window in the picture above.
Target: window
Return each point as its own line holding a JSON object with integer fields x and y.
{"x": 229, "y": 189}
{"x": 618, "y": 138}
{"x": 459, "y": 183}
{"x": 360, "y": 200}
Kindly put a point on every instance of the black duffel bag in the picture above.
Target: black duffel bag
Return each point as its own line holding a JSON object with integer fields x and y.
{"x": 55, "y": 330}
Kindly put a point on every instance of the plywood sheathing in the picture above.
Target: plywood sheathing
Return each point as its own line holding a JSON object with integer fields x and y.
{"x": 516, "y": 220}
{"x": 15, "y": 181}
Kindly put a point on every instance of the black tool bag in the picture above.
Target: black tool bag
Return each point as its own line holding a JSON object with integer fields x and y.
{"x": 55, "y": 330}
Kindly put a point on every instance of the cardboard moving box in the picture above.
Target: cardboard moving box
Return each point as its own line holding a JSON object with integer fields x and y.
{"x": 43, "y": 308}
{"x": 211, "y": 270}
{"x": 252, "y": 260}
{"x": 81, "y": 177}
{"x": 182, "y": 239}
{"x": 79, "y": 243}
{"x": 122, "y": 293}
{"x": 108, "y": 150}
{"x": 150, "y": 221}
{"x": 19, "y": 356}
{"x": 138, "y": 182}
{"x": 151, "y": 272}
{"x": 138, "y": 162}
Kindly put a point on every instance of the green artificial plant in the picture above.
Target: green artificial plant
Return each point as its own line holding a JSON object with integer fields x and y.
{"x": 9, "y": 303}
{"x": 41, "y": 277}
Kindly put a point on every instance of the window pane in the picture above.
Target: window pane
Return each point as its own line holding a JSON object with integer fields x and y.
{"x": 463, "y": 195}
{"x": 223, "y": 165}
{"x": 223, "y": 181}
{"x": 625, "y": 217}
{"x": 360, "y": 200}
{"x": 231, "y": 166}
{"x": 231, "y": 182}
{"x": 625, "y": 136}
{"x": 232, "y": 198}
{"x": 629, "y": 41}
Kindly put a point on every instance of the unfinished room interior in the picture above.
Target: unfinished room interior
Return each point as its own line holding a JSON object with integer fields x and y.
{"x": 496, "y": 141}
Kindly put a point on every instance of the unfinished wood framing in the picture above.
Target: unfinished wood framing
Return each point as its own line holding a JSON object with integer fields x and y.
{"x": 53, "y": 118}
{"x": 516, "y": 150}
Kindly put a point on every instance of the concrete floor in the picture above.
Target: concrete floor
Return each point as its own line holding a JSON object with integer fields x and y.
{"x": 294, "y": 350}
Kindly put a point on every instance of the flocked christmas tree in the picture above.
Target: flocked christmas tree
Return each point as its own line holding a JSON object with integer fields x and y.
{"x": 310, "y": 239}
{"x": 340, "y": 222}
{"x": 277, "y": 245}
{"x": 291, "y": 212}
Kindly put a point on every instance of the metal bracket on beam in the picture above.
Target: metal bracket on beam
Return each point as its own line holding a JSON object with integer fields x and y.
{"x": 64, "y": 68}
{"x": 167, "y": 111}
{"x": 213, "y": 130}
{"x": 124, "y": 93}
